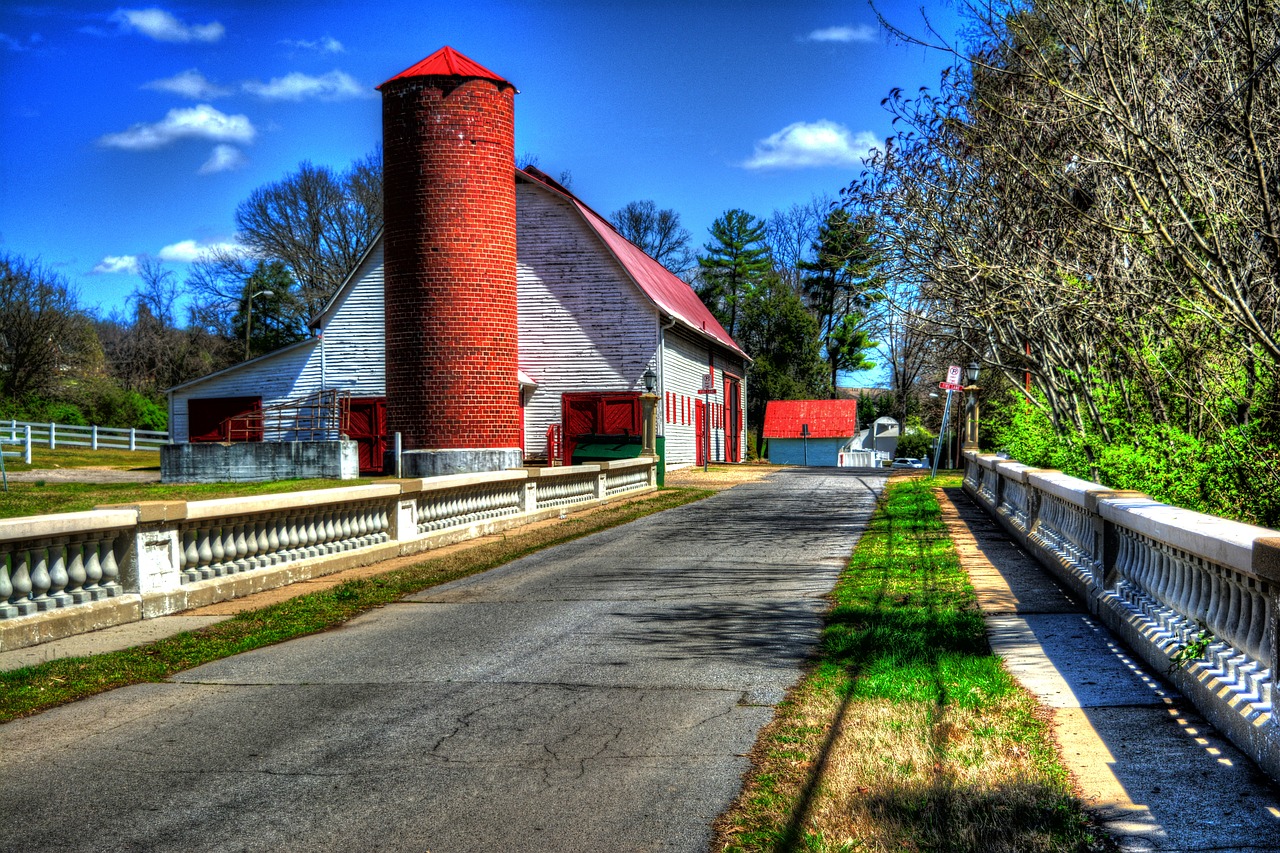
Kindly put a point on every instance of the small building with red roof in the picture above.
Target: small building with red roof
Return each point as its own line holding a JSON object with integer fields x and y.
{"x": 597, "y": 321}
{"x": 810, "y": 432}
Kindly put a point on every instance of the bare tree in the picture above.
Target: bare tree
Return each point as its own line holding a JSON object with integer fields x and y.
{"x": 658, "y": 233}
{"x": 43, "y": 333}
{"x": 319, "y": 223}
{"x": 790, "y": 235}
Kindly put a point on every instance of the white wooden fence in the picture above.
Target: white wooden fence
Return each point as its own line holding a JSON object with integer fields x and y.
{"x": 1194, "y": 595}
{"x": 26, "y": 434}
{"x": 73, "y": 572}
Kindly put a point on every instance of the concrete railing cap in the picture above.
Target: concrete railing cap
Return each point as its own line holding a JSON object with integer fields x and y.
{"x": 223, "y": 507}
{"x": 1073, "y": 490}
{"x": 150, "y": 512}
{"x": 1218, "y": 540}
{"x": 454, "y": 481}
{"x": 618, "y": 464}
{"x": 564, "y": 470}
{"x": 65, "y": 524}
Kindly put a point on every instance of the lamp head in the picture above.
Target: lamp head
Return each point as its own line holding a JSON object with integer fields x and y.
{"x": 973, "y": 372}
{"x": 650, "y": 380}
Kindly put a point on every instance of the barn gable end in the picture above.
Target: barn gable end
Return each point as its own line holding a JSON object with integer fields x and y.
{"x": 584, "y": 326}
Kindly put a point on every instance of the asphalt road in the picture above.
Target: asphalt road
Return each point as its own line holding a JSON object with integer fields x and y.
{"x": 597, "y": 696}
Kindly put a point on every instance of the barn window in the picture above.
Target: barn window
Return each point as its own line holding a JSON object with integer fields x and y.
{"x": 221, "y": 418}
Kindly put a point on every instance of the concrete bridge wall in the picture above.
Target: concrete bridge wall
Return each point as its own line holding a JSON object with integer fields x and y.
{"x": 1194, "y": 595}
{"x": 74, "y": 572}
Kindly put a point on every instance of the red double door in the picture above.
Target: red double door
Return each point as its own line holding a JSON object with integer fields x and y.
{"x": 598, "y": 414}
{"x": 365, "y": 419}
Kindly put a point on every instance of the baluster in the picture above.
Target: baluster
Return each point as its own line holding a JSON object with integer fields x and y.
{"x": 58, "y": 577}
{"x": 330, "y": 534}
{"x": 7, "y": 610}
{"x": 1257, "y": 624}
{"x": 263, "y": 557}
{"x": 229, "y": 553}
{"x": 313, "y": 536}
{"x": 247, "y": 543}
{"x": 1160, "y": 583}
{"x": 1200, "y": 583}
{"x": 291, "y": 538}
{"x": 1182, "y": 589}
{"x": 110, "y": 569}
{"x": 76, "y": 575}
{"x": 216, "y": 551}
{"x": 21, "y": 581}
{"x": 40, "y": 577}
{"x": 1231, "y": 625}
{"x": 205, "y": 551}
{"x": 1216, "y": 605}
{"x": 93, "y": 569}
{"x": 190, "y": 556}
{"x": 235, "y": 546}
{"x": 273, "y": 541}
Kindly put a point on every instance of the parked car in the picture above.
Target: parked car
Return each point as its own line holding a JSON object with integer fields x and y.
{"x": 908, "y": 462}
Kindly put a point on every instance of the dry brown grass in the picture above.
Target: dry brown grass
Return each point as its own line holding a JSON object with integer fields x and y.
{"x": 720, "y": 477}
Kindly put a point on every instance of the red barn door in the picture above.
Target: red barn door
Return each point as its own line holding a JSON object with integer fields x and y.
{"x": 366, "y": 419}
{"x": 733, "y": 419}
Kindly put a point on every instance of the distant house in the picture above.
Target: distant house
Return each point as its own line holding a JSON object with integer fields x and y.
{"x": 882, "y": 436}
{"x": 810, "y": 432}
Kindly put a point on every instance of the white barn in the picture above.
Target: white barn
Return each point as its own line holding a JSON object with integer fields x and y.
{"x": 595, "y": 313}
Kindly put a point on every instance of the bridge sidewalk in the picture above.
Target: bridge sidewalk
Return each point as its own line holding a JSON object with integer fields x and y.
{"x": 1147, "y": 765}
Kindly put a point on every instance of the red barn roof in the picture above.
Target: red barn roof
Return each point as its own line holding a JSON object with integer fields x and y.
{"x": 447, "y": 62}
{"x": 826, "y": 418}
{"x": 663, "y": 287}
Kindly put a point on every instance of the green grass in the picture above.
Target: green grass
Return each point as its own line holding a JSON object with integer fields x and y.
{"x": 41, "y": 498}
{"x": 79, "y": 457}
{"x": 907, "y": 733}
{"x": 37, "y": 688}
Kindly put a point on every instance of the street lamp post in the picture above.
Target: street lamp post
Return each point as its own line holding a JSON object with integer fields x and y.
{"x": 971, "y": 408}
{"x": 248, "y": 319}
{"x": 649, "y": 411}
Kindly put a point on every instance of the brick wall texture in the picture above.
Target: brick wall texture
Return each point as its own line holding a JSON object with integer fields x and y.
{"x": 450, "y": 236}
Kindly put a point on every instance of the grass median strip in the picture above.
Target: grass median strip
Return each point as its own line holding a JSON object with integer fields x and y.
{"x": 37, "y": 688}
{"x": 907, "y": 733}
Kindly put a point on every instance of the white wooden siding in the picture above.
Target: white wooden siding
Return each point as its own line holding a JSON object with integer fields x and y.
{"x": 685, "y": 361}
{"x": 350, "y": 357}
{"x": 584, "y": 325}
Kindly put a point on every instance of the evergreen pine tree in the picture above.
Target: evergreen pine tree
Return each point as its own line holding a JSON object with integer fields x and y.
{"x": 734, "y": 264}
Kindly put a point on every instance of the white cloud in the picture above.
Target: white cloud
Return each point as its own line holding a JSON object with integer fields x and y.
{"x": 199, "y": 122}
{"x": 11, "y": 43}
{"x": 163, "y": 26}
{"x": 860, "y": 33}
{"x": 225, "y": 158}
{"x": 328, "y": 44}
{"x": 187, "y": 251}
{"x": 189, "y": 84}
{"x": 296, "y": 86}
{"x": 807, "y": 144}
{"x": 118, "y": 263}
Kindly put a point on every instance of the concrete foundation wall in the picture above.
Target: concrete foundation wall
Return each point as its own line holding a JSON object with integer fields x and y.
{"x": 791, "y": 451}
{"x": 259, "y": 461}
{"x": 438, "y": 463}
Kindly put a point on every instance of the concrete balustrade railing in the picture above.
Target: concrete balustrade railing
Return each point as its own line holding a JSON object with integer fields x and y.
{"x": 1194, "y": 595}
{"x": 74, "y": 572}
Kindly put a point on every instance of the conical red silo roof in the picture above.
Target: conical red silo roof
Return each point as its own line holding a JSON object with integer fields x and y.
{"x": 447, "y": 62}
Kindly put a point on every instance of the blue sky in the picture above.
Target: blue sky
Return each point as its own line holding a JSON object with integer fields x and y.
{"x": 135, "y": 130}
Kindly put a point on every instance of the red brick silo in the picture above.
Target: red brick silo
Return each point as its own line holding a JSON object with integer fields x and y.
{"x": 448, "y": 135}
